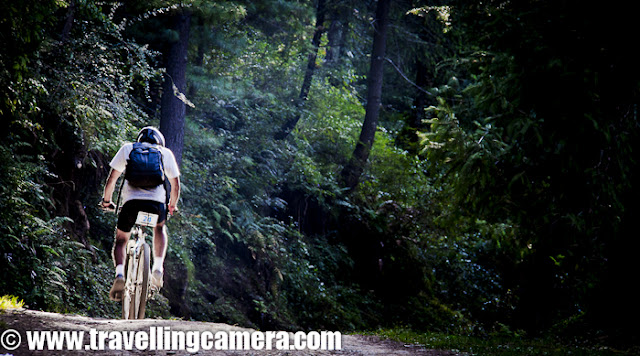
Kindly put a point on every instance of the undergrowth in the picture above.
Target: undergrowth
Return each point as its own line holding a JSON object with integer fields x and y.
{"x": 499, "y": 343}
{"x": 10, "y": 302}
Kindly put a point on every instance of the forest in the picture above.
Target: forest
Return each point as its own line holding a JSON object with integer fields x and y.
{"x": 451, "y": 166}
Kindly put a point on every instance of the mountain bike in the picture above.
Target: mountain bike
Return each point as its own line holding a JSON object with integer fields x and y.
{"x": 138, "y": 287}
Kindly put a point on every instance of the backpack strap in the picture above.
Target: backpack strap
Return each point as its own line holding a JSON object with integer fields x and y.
{"x": 165, "y": 183}
{"x": 167, "y": 189}
{"x": 119, "y": 195}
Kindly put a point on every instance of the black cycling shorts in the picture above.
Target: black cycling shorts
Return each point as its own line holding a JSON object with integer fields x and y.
{"x": 130, "y": 209}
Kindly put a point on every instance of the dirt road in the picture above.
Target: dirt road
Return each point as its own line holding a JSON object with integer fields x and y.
{"x": 18, "y": 322}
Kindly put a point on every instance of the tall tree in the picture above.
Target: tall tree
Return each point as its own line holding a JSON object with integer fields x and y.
{"x": 173, "y": 110}
{"x": 290, "y": 124}
{"x": 353, "y": 170}
{"x": 335, "y": 36}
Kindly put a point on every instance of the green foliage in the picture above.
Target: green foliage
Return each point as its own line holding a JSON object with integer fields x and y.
{"x": 39, "y": 247}
{"x": 71, "y": 97}
{"x": 249, "y": 201}
{"x": 331, "y": 125}
{"x": 235, "y": 241}
{"x": 28, "y": 240}
{"x": 10, "y": 302}
{"x": 23, "y": 27}
{"x": 517, "y": 144}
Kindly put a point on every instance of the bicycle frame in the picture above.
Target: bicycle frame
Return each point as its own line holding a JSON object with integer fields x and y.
{"x": 137, "y": 270}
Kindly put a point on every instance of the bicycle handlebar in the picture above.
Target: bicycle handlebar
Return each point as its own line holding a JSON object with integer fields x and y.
{"x": 111, "y": 208}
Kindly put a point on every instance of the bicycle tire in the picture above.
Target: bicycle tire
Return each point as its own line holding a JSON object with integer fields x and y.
{"x": 134, "y": 299}
{"x": 129, "y": 262}
{"x": 142, "y": 288}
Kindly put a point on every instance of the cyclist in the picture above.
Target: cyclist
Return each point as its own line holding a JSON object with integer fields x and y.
{"x": 135, "y": 199}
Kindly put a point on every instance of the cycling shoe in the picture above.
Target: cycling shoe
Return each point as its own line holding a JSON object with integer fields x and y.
{"x": 117, "y": 289}
{"x": 156, "y": 279}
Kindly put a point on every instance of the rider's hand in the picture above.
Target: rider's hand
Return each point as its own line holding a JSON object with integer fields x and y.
{"x": 107, "y": 205}
{"x": 172, "y": 209}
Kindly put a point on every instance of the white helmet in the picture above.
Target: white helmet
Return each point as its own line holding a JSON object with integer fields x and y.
{"x": 152, "y": 135}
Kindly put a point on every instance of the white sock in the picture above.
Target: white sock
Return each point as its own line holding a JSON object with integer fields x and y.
{"x": 119, "y": 270}
{"x": 158, "y": 261}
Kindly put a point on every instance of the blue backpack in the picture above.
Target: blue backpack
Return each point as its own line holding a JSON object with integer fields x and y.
{"x": 144, "y": 166}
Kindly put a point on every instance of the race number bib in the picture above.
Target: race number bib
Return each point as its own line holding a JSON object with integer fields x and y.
{"x": 147, "y": 219}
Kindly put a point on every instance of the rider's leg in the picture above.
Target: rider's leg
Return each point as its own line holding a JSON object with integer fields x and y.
{"x": 160, "y": 238}
{"x": 118, "y": 252}
{"x": 120, "y": 249}
{"x": 159, "y": 251}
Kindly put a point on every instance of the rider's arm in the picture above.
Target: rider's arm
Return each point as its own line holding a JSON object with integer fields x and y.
{"x": 175, "y": 194}
{"x": 110, "y": 187}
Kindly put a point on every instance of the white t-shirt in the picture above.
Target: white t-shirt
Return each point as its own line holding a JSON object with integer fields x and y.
{"x": 171, "y": 170}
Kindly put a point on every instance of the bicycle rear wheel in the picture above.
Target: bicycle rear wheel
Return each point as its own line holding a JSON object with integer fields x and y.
{"x": 134, "y": 301}
{"x": 129, "y": 270}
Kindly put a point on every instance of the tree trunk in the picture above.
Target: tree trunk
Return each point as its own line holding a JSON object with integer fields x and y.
{"x": 352, "y": 171}
{"x": 335, "y": 35}
{"x": 68, "y": 23}
{"x": 408, "y": 137}
{"x": 291, "y": 123}
{"x": 339, "y": 13}
{"x": 173, "y": 108}
{"x": 197, "y": 62}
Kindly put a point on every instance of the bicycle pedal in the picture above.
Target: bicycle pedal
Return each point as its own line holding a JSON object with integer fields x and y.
{"x": 152, "y": 292}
